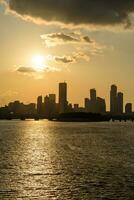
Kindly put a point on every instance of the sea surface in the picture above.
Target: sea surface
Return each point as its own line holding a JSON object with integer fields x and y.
{"x": 42, "y": 160}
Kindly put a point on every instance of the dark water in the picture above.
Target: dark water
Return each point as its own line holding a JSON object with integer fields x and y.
{"x": 66, "y": 161}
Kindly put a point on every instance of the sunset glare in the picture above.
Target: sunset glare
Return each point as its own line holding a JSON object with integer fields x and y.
{"x": 38, "y": 62}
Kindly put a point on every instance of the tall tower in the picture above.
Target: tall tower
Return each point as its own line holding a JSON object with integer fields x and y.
{"x": 52, "y": 104}
{"x": 93, "y": 101}
{"x": 128, "y": 108}
{"x": 113, "y": 99}
{"x": 93, "y": 95}
{"x": 120, "y": 102}
{"x": 39, "y": 106}
{"x": 46, "y": 106}
{"x": 62, "y": 97}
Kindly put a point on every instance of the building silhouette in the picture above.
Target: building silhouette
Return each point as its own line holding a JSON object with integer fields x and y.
{"x": 17, "y": 108}
{"x": 101, "y": 105}
{"x": 47, "y": 107}
{"x": 113, "y": 99}
{"x": 76, "y": 107}
{"x": 39, "y": 106}
{"x": 95, "y": 104}
{"x": 62, "y": 97}
{"x": 52, "y": 104}
{"x": 116, "y": 101}
{"x": 128, "y": 108}
{"x": 120, "y": 103}
{"x": 93, "y": 101}
{"x": 93, "y": 95}
{"x": 87, "y": 105}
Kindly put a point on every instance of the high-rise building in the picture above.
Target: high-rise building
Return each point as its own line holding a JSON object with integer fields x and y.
{"x": 39, "y": 106}
{"x": 46, "y": 107}
{"x": 93, "y": 95}
{"x": 93, "y": 101}
{"x": 87, "y": 105}
{"x": 62, "y": 97}
{"x": 52, "y": 104}
{"x": 101, "y": 105}
{"x": 128, "y": 108}
{"x": 52, "y": 98}
{"x": 119, "y": 103}
{"x": 113, "y": 99}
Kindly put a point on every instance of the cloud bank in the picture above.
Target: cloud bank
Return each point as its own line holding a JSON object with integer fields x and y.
{"x": 76, "y": 12}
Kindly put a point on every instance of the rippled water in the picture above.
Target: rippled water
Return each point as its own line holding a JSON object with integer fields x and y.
{"x": 50, "y": 160}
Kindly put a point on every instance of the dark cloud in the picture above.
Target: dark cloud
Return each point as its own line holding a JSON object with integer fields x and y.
{"x": 100, "y": 12}
{"x": 26, "y": 69}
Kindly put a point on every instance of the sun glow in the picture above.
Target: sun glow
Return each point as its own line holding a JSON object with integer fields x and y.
{"x": 38, "y": 62}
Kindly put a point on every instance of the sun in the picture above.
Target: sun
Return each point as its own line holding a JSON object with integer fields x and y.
{"x": 38, "y": 62}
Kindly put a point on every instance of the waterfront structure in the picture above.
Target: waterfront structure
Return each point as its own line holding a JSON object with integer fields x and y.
{"x": 128, "y": 108}
{"x": 62, "y": 97}
{"x": 52, "y": 104}
{"x": 113, "y": 99}
{"x": 46, "y": 107}
{"x": 95, "y": 104}
{"x": 120, "y": 103}
{"x": 39, "y": 106}
{"x": 93, "y": 95}
{"x": 93, "y": 101}
{"x": 87, "y": 104}
{"x": 49, "y": 108}
{"x": 101, "y": 105}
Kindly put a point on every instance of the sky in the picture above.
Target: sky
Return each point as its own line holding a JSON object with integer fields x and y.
{"x": 88, "y": 44}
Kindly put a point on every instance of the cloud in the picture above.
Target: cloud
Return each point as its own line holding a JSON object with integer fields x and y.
{"x": 73, "y": 58}
{"x": 37, "y": 74}
{"x": 26, "y": 69}
{"x": 76, "y": 12}
{"x": 59, "y": 38}
{"x": 64, "y": 59}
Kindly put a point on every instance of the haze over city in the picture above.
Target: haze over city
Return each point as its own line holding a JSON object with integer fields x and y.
{"x": 39, "y": 49}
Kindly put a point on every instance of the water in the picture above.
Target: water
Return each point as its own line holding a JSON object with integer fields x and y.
{"x": 41, "y": 160}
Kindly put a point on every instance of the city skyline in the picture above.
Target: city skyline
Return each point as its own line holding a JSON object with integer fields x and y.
{"x": 47, "y": 106}
{"x": 84, "y": 53}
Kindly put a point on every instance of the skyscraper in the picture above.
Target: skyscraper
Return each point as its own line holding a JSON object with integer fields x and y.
{"x": 101, "y": 105}
{"x": 120, "y": 103}
{"x": 93, "y": 101}
{"x": 39, "y": 106}
{"x": 113, "y": 99}
{"x": 128, "y": 108}
{"x": 87, "y": 105}
{"x": 52, "y": 104}
{"x": 62, "y": 97}
{"x": 93, "y": 95}
{"x": 46, "y": 106}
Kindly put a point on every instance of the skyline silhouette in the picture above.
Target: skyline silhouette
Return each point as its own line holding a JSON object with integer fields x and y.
{"x": 47, "y": 107}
